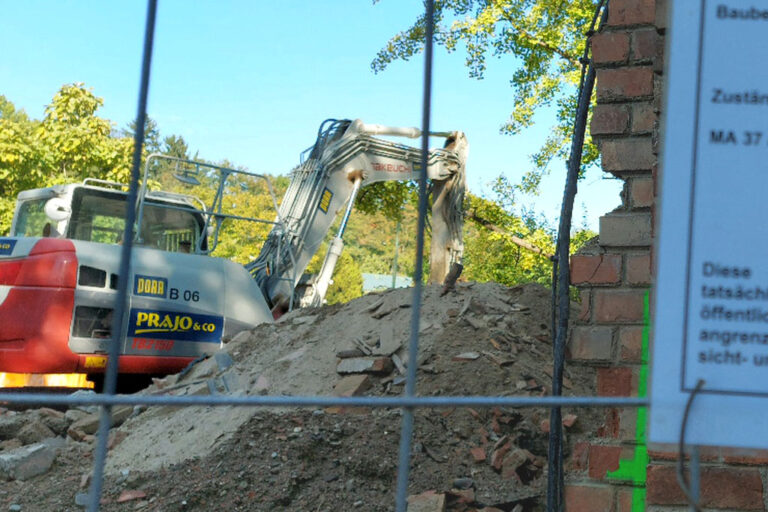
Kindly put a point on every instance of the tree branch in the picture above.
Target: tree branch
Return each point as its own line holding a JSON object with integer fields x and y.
{"x": 538, "y": 42}
{"x": 472, "y": 215}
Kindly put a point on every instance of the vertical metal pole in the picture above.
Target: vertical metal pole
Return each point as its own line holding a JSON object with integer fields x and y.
{"x": 119, "y": 319}
{"x": 397, "y": 250}
{"x": 695, "y": 473}
{"x": 406, "y": 432}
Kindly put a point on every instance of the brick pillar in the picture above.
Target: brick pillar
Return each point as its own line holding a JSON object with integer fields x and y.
{"x": 608, "y": 467}
{"x": 611, "y": 469}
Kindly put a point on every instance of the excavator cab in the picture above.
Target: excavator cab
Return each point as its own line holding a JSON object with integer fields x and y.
{"x": 95, "y": 212}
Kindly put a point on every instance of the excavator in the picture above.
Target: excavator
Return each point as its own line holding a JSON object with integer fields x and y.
{"x": 59, "y": 268}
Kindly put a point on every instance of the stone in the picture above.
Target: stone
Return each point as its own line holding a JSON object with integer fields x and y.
{"x": 352, "y": 385}
{"x": 26, "y": 462}
{"x": 90, "y": 424}
{"x": 388, "y": 343}
{"x": 10, "y": 424}
{"x": 82, "y": 499}
{"x": 466, "y": 356}
{"x": 223, "y": 360}
{"x": 34, "y": 432}
{"x": 365, "y": 365}
{"x": 463, "y": 483}
{"x": 73, "y": 415}
{"x": 132, "y": 494}
{"x": 428, "y": 501}
{"x": 478, "y": 454}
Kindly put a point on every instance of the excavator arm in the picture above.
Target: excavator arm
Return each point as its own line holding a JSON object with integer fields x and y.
{"x": 346, "y": 157}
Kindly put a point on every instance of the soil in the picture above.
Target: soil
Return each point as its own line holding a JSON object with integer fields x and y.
{"x": 480, "y": 339}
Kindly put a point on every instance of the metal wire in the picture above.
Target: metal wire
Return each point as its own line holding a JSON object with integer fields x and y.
{"x": 327, "y": 401}
{"x": 408, "y": 402}
{"x": 560, "y": 286}
{"x": 120, "y": 319}
{"x": 690, "y": 491}
{"x": 406, "y": 432}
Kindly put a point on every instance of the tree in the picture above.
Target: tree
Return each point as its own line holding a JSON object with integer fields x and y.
{"x": 151, "y": 134}
{"x": 69, "y": 144}
{"x": 176, "y": 146}
{"x": 544, "y": 37}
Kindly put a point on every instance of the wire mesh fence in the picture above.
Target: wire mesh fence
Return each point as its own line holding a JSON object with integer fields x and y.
{"x": 409, "y": 401}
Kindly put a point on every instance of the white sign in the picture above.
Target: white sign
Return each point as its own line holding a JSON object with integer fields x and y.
{"x": 711, "y": 294}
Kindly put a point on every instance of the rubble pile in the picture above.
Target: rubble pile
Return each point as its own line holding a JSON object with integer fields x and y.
{"x": 477, "y": 340}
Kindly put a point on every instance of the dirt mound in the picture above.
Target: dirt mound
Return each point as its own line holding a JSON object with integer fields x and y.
{"x": 481, "y": 339}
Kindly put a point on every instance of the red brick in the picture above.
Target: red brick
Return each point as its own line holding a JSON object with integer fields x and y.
{"x": 624, "y": 499}
{"x": 585, "y": 309}
{"x": 624, "y": 83}
{"x": 729, "y": 488}
{"x": 628, "y": 424}
{"x": 616, "y": 381}
{"x": 609, "y": 119}
{"x": 582, "y": 498}
{"x": 745, "y": 457}
{"x": 579, "y": 458}
{"x": 626, "y": 230}
{"x": 603, "y": 459}
{"x": 643, "y": 117}
{"x": 631, "y": 12}
{"x": 591, "y": 343}
{"x": 478, "y": 454}
{"x": 618, "y": 306}
{"x": 610, "y": 428}
{"x": 633, "y": 154}
{"x": 644, "y": 44}
{"x": 664, "y": 451}
{"x": 610, "y": 47}
{"x": 640, "y": 192}
{"x": 639, "y": 269}
{"x": 595, "y": 269}
{"x": 497, "y": 457}
{"x": 661, "y": 14}
{"x": 631, "y": 344}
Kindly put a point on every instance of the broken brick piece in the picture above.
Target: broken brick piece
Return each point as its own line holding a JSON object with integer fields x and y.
{"x": 497, "y": 459}
{"x": 569, "y": 420}
{"x": 478, "y": 454}
{"x": 352, "y": 385}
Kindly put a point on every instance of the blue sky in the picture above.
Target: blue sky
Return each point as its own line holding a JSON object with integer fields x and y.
{"x": 250, "y": 81}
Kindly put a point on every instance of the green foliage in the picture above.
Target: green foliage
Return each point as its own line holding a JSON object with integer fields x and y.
{"x": 69, "y": 144}
{"x": 545, "y": 38}
{"x": 491, "y": 255}
{"x": 347, "y": 280}
{"x": 387, "y": 198}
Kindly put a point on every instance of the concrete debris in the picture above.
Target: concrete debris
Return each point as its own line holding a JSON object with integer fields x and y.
{"x": 34, "y": 432}
{"x": 377, "y": 365}
{"x": 341, "y": 458}
{"x": 475, "y": 322}
{"x": 347, "y": 353}
{"x": 82, "y": 499}
{"x": 428, "y": 501}
{"x": 26, "y": 462}
{"x": 399, "y": 364}
{"x": 352, "y": 385}
{"x": 388, "y": 343}
{"x": 466, "y": 356}
{"x": 362, "y": 346}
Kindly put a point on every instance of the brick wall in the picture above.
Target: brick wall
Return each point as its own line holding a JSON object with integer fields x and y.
{"x": 611, "y": 469}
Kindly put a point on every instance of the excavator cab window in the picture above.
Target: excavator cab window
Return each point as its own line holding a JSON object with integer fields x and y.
{"x": 31, "y": 218}
{"x": 99, "y": 216}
